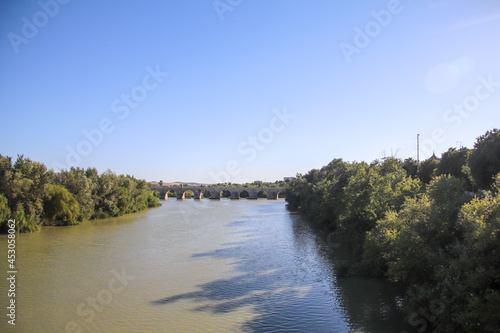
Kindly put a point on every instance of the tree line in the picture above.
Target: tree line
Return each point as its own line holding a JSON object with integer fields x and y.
{"x": 34, "y": 196}
{"x": 433, "y": 228}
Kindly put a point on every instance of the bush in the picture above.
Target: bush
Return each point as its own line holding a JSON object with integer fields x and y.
{"x": 60, "y": 206}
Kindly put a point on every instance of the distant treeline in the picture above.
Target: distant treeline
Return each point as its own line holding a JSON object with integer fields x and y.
{"x": 34, "y": 196}
{"x": 435, "y": 231}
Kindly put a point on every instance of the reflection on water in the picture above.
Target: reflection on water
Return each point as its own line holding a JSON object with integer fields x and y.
{"x": 194, "y": 266}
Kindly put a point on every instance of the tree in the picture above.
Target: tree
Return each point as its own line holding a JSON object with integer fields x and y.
{"x": 4, "y": 213}
{"x": 434, "y": 241}
{"x": 484, "y": 160}
{"x": 60, "y": 206}
{"x": 334, "y": 205}
{"x": 410, "y": 165}
{"x": 395, "y": 246}
{"x": 25, "y": 189}
{"x": 124, "y": 201}
{"x": 479, "y": 264}
{"x": 371, "y": 192}
{"x": 24, "y": 222}
{"x": 33, "y": 195}
{"x": 153, "y": 201}
{"x": 419, "y": 245}
{"x": 453, "y": 163}
{"x": 496, "y": 184}
{"x": 5, "y": 175}
{"x": 106, "y": 205}
{"x": 80, "y": 186}
{"x": 427, "y": 167}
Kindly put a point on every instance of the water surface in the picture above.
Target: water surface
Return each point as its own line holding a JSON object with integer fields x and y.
{"x": 193, "y": 266}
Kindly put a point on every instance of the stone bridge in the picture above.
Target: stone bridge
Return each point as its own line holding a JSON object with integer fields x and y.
{"x": 215, "y": 192}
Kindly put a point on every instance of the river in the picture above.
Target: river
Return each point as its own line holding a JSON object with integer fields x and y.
{"x": 192, "y": 266}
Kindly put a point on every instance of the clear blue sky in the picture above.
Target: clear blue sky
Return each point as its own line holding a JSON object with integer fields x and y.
{"x": 352, "y": 80}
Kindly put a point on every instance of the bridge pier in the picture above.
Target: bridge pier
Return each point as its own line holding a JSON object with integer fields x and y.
{"x": 215, "y": 195}
{"x": 272, "y": 195}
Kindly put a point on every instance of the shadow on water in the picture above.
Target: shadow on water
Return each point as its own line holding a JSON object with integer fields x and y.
{"x": 288, "y": 279}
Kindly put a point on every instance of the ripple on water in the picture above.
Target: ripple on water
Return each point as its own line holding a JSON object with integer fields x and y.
{"x": 197, "y": 266}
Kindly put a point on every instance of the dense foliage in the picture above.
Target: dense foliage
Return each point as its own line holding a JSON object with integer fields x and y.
{"x": 34, "y": 196}
{"x": 424, "y": 229}
{"x": 484, "y": 160}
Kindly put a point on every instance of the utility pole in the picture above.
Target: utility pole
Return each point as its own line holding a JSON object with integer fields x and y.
{"x": 418, "y": 152}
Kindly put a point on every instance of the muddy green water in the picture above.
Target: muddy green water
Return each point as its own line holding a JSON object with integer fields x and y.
{"x": 192, "y": 266}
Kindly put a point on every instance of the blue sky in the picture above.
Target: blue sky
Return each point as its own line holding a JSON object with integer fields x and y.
{"x": 238, "y": 91}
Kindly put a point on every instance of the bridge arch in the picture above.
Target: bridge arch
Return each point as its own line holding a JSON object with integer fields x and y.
{"x": 262, "y": 194}
{"x": 172, "y": 191}
{"x": 273, "y": 194}
{"x": 186, "y": 194}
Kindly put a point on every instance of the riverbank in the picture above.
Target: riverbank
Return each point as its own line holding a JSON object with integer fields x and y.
{"x": 424, "y": 230}
{"x": 33, "y": 196}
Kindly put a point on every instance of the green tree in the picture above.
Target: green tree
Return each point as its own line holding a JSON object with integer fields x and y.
{"x": 80, "y": 186}
{"x": 124, "y": 201}
{"x": 4, "y": 213}
{"x": 410, "y": 165}
{"x": 496, "y": 184}
{"x": 60, "y": 206}
{"x": 453, "y": 163}
{"x": 333, "y": 207}
{"x": 34, "y": 195}
{"x": 427, "y": 169}
{"x": 5, "y": 175}
{"x": 24, "y": 222}
{"x": 422, "y": 231}
{"x": 437, "y": 243}
{"x": 479, "y": 264}
{"x": 153, "y": 201}
{"x": 107, "y": 198}
{"x": 371, "y": 192}
{"x": 395, "y": 246}
{"x": 484, "y": 160}
{"x": 24, "y": 186}
{"x": 417, "y": 246}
